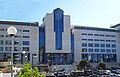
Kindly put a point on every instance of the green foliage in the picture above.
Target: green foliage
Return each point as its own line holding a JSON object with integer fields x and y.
{"x": 102, "y": 65}
{"x": 27, "y": 71}
{"x": 83, "y": 63}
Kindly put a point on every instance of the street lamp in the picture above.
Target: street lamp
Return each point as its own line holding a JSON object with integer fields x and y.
{"x": 12, "y": 32}
{"x": 33, "y": 57}
{"x": 23, "y": 52}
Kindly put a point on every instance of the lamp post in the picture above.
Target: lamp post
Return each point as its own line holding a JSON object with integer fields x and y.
{"x": 33, "y": 57}
{"x": 12, "y": 32}
{"x": 24, "y": 52}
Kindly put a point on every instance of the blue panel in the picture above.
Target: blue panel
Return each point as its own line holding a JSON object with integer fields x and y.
{"x": 25, "y": 42}
{"x": 41, "y": 37}
{"x": 58, "y": 27}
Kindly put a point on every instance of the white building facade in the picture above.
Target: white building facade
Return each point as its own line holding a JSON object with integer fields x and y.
{"x": 96, "y": 44}
{"x": 26, "y": 39}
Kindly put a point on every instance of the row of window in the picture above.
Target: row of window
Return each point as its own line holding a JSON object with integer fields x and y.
{"x": 98, "y": 45}
{"x": 15, "y": 36}
{"x": 15, "y": 49}
{"x": 18, "y": 30}
{"x": 94, "y": 58}
{"x": 98, "y": 40}
{"x": 98, "y": 50}
{"x": 9, "y": 42}
{"x": 98, "y": 35}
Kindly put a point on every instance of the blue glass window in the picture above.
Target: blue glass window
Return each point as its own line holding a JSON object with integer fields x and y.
{"x": 102, "y": 35}
{"x": 26, "y": 30}
{"x": 102, "y": 40}
{"x": 84, "y": 44}
{"x": 107, "y": 50}
{"x": 96, "y": 45}
{"x": 107, "y": 35}
{"x": 90, "y": 39}
{"x": 90, "y": 44}
{"x": 96, "y": 39}
{"x": 102, "y": 50}
{"x": 84, "y": 50}
{"x": 107, "y": 45}
{"x": 84, "y": 34}
{"x": 113, "y": 40}
{"x": 25, "y": 42}
{"x": 84, "y": 39}
{"x": 90, "y": 50}
{"x": 112, "y": 35}
{"x": 102, "y": 45}
{"x": 25, "y": 36}
{"x": 90, "y": 34}
{"x": 58, "y": 27}
{"x": 114, "y": 45}
{"x": 107, "y": 40}
{"x": 113, "y": 50}
{"x": 96, "y": 34}
{"x": 96, "y": 50}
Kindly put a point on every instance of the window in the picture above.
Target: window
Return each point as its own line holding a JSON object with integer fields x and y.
{"x": 96, "y": 39}
{"x": 90, "y": 34}
{"x": 8, "y": 48}
{"x": 107, "y": 50}
{"x": 90, "y": 39}
{"x": 84, "y": 44}
{"x": 25, "y": 36}
{"x": 102, "y": 45}
{"x": 102, "y": 40}
{"x": 114, "y": 45}
{"x": 1, "y": 42}
{"x": 25, "y": 42}
{"x": 25, "y": 49}
{"x": 1, "y": 29}
{"x": 101, "y": 34}
{"x": 96, "y": 45}
{"x": 113, "y": 40}
{"x": 17, "y": 36}
{"x": 1, "y": 35}
{"x": 96, "y": 34}
{"x": 107, "y": 45}
{"x": 8, "y": 42}
{"x": 84, "y": 34}
{"x": 26, "y": 30}
{"x": 96, "y": 50}
{"x": 107, "y": 40}
{"x": 84, "y": 39}
{"x": 58, "y": 28}
{"x": 90, "y": 44}
{"x": 107, "y": 35}
{"x": 113, "y": 50}
{"x": 17, "y": 49}
{"x": 102, "y": 50}
{"x": 90, "y": 50}
{"x": 84, "y": 50}
{"x": 112, "y": 35}
{"x": 1, "y": 48}
{"x": 17, "y": 43}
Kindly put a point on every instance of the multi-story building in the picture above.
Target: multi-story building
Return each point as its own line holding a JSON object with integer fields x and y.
{"x": 96, "y": 44}
{"x": 56, "y": 36}
{"x": 60, "y": 44}
{"x": 26, "y": 39}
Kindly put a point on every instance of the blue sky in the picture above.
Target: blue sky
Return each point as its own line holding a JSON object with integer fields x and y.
{"x": 96, "y": 13}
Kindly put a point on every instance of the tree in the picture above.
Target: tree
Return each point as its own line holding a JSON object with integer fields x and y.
{"x": 102, "y": 65}
{"x": 83, "y": 63}
{"x": 27, "y": 71}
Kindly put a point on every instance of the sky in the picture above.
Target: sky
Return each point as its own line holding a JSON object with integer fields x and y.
{"x": 95, "y": 13}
